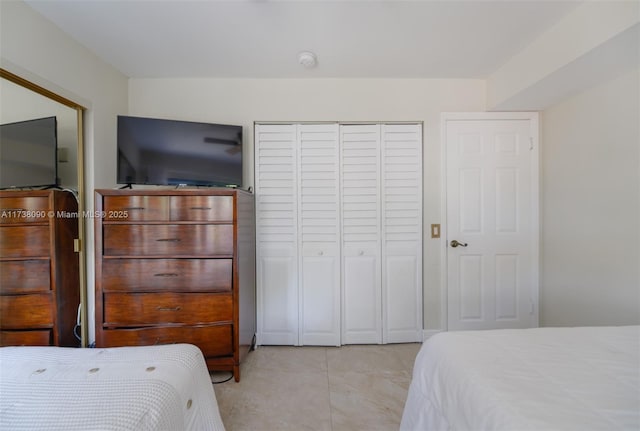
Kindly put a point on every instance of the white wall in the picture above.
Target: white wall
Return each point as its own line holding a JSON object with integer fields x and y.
{"x": 243, "y": 101}
{"x": 590, "y": 242}
{"x": 32, "y": 47}
{"x": 593, "y": 43}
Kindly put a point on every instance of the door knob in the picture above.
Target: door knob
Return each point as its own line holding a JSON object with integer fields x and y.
{"x": 456, "y": 243}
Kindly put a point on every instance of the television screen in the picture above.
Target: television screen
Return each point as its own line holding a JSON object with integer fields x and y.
{"x": 170, "y": 152}
{"x": 28, "y": 153}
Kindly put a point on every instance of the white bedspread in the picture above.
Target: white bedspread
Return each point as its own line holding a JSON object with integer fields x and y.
{"x": 126, "y": 388}
{"x": 527, "y": 379}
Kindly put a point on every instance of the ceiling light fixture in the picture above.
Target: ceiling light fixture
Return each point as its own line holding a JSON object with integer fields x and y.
{"x": 307, "y": 59}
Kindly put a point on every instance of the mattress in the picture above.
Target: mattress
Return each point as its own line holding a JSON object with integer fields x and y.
{"x": 125, "y": 388}
{"x": 527, "y": 379}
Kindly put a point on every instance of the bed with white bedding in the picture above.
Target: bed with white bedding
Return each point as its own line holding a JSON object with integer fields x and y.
{"x": 584, "y": 378}
{"x": 124, "y": 388}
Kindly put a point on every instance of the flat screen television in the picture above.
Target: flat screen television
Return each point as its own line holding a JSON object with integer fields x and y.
{"x": 28, "y": 153}
{"x": 170, "y": 152}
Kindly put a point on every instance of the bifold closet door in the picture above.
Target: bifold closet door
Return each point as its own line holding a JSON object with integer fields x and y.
{"x": 339, "y": 233}
{"x": 382, "y": 233}
{"x": 319, "y": 234}
{"x": 298, "y": 229}
{"x": 361, "y": 234}
{"x": 401, "y": 219}
{"x": 276, "y": 190}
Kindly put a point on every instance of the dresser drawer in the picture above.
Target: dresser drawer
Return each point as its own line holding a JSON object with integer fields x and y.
{"x": 131, "y": 309}
{"x": 215, "y": 340}
{"x": 24, "y": 241}
{"x": 26, "y": 338}
{"x": 26, "y": 311}
{"x": 136, "y": 208}
{"x": 202, "y": 208}
{"x": 24, "y": 276}
{"x": 24, "y": 209}
{"x": 168, "y": 240}
{"x": 192, "y": 275}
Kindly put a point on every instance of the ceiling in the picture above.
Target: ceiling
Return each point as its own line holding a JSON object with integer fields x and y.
{"x": 262, "y": 38}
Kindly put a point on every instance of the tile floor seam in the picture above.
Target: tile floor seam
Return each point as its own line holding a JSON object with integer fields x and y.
{"x": 326, "y": 360}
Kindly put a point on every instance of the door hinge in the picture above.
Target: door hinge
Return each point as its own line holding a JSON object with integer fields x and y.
{"x": 530, "y": 144}
{"x": 77, "y": 245}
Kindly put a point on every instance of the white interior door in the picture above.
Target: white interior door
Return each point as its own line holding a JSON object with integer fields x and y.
{"x": 276, "y": 234}
{"x": 319, "y": 234}
{"x": 491, "y": 220}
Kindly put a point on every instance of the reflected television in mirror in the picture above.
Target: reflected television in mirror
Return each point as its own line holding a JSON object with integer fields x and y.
{"x": 28, "y": 153}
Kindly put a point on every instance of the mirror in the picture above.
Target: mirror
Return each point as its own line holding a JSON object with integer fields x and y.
{"x": 23, "y": 100}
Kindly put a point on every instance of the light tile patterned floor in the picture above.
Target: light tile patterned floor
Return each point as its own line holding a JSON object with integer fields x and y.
{"x": 318, "y": 388}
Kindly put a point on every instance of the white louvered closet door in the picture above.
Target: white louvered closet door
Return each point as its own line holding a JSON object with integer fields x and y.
{"x": 401, "y": 198}
{"x": 276, "y": 189}
{"x": 339, "y": 233}
{"x": 361, "y": 247}
{"x": 319, "y": 234}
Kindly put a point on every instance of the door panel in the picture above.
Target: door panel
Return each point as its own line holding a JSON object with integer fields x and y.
{"x": 401, "y": 219}
{"x": 402, "y": 311}
{"x": 361, "y": 234}
{"x": 470, "y": 200}
{"x": 361, "y": 320}
{"x": 507, "y": 200}
{"x": 507, "y": 286}
{"x": 276, "y": 234}
{"x": 319, "y": 234}
{"x": 279, "y": 298}
{"x": 320, "y": 299}
{"x": 471, "y": 296}
{"x": 492, "y": 205}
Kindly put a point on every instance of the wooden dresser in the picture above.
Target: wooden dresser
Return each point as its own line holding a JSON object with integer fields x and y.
{"x": 39, "y": 270}
{"x": 177, "y": 266}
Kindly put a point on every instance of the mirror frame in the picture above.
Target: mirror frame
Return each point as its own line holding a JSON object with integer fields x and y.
{"x": 79, "y": 245}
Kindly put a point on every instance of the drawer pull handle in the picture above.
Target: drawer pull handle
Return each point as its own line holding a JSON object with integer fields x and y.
{"x": 201, "y": 208}
{"x": 166, "y": 274}
{"x": 134, "y": 208}
{"x": 14, "y": 210}
{"x": 178, "y": 308}
{"x": 168, "y": 240}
